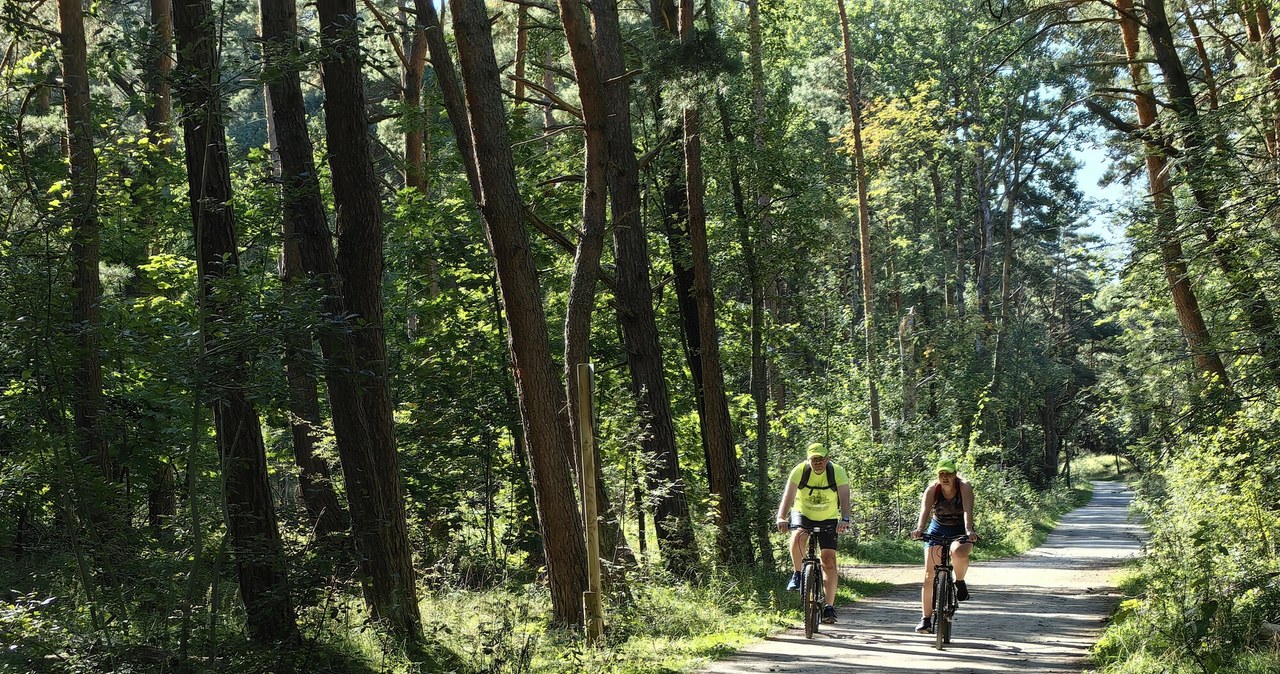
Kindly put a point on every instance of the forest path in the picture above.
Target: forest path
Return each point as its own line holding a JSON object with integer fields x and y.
{"x": 1038, "y": 612}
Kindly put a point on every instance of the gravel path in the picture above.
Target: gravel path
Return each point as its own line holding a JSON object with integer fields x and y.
{"x": 1038, "y": 612}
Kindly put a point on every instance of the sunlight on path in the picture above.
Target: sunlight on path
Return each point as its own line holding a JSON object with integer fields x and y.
{"x": 1038, "y": 612}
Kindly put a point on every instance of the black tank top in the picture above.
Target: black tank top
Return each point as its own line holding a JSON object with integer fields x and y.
{"x": 948, "y": 512}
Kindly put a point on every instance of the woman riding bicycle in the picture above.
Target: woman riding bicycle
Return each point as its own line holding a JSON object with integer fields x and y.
{"x": 820, "y": 491}
{"x": 950, "y": 501}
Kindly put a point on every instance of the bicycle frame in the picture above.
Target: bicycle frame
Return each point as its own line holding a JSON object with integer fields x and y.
{"x": 944, "y": 588}
{"x": 812, "y": 593}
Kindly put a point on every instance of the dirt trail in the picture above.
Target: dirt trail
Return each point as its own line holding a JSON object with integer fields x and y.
{"x": 1038, "y": 612}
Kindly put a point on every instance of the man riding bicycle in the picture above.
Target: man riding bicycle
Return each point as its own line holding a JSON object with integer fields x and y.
{"x": 819, "y": 490}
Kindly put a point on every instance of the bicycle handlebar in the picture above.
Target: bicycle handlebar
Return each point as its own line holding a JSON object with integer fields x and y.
{"x": 815, "y": 530}
{"x": 944, "y": 540}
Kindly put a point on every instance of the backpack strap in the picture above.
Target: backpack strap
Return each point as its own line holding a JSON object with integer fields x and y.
{"x": 808, "y": 471}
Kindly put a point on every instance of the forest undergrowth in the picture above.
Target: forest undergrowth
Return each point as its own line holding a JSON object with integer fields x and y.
{"x": 1206, "y": 596}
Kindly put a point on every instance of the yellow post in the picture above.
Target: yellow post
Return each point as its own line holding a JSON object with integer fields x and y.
{"x": 587, "y": 440}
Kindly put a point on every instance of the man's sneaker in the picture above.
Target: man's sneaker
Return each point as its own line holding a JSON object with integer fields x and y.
{"x": 828, "y": 614}
{"x": 794, "y": 584}
{"x": 962, "y": 591}
{"x": 925, "y": 626}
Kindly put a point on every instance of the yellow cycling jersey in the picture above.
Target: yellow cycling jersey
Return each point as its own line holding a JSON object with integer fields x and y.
{"x": 817, "y": 500}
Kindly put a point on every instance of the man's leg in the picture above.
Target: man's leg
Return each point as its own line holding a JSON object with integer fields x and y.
{"x": 830, "y": 575}
{"x": 799, "y": 540}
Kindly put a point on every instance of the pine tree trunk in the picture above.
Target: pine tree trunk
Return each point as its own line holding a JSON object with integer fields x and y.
{"x": 251, "y": 517}
{"x": 760, "y": 366}
{"x": 86, "y": 283}
{"x": 1185, "y": 305}
{"x": 586, "y": 264}
{"x": 1226, "y": 251}
{"x": 635, "y": 304}
{"x": 303, "y": 214}
{"x": 725, "y": 480}
{"x": 371, "y": 468}
{"x": 162, "y": 500}
{"x": 864, "y": 228}
{"x": 536, "y": 383}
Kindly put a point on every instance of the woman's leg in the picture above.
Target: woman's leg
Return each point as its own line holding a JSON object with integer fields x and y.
{"x": 960, "y": 558}
{"x": 932, "y": 556}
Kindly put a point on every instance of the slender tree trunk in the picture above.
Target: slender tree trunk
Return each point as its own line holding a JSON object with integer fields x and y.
{"x": 83, "y": 180}
{"x": 722, "y": 461}
{"x": 635, "y": 304}
{"x": 373, "y": 473}
{"x": 300, "y": 199}
{"x": 864, "y": 227}
{"x": 1226, "y": 251}
{"x": 540, "y": 397}
{"x": 759, "y": 364}
{"x": 162, "y": 500}
{"x": 251, "y": 517}
{"x": 1185, "y": 304}
{"x": 586, "y": 264}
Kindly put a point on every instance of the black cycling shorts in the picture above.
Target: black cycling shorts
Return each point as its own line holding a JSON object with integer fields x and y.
{"x": 826, "y": 537}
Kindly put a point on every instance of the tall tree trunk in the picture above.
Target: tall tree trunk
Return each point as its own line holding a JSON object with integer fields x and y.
{"x": 1185, "y": 305}
{"x": 415, "y": 121}
{"x": 722, "y": 461}
{"x": 1226, "y": 251}
{"x": 251, "y": 517}
{"x": 760, "y": 370}
{"x": 83, "y": 179}
{"x": 162, "y": 499}
{"x": 957, "y": 213}
{"x": 864, "y": 227}
{"x": 303, "y": 214}
{"x": 540, "y": 397}
{"x": 586, "y": 264}
{"x": 373, "y": 471}
{"x": 635, "y": 303}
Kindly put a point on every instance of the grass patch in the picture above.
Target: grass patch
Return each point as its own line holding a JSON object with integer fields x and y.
{"x": 1101, "y": 467}
{"x": 659, "y": 627}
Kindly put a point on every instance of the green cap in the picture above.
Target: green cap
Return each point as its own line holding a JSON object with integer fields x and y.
{"x": 816, "y": 449}
{"x": 947, "y": 466}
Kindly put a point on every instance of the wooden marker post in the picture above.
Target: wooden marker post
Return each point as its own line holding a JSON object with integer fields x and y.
{"x": 586, "y": 422}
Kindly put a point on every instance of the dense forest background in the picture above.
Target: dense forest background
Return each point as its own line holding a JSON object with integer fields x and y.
{"x": 289, "y": 294}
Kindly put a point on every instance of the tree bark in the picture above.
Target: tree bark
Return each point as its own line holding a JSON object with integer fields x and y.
{"x": 1226, "y": 251}
{"x": 536, "y": 382}
{"x": 251, "y": 517}
{"x": 732, "y": 540}
{"x": 162, "y": 501}
{"x": 85, "y": 282}
{"x": 373, "y": 469}
{"x": 1187, "y": 308}
{"x": 635, "y": 303}
{"x": 303, "y": 212}
{"x": 586, "y": 264}
{"x": 864, "y": 227}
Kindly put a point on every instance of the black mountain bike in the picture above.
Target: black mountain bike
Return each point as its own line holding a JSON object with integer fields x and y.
{"x": 944, "y": 590}
{"x": 812, "y": 595}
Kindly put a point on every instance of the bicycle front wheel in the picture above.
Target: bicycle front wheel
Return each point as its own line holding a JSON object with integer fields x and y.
{"x": 811, "y": 594}
{"x": 941, "y": 616}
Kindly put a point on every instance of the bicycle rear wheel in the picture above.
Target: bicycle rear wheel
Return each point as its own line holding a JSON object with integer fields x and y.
{"x": 941, "y": 616}
{"x": 811, "y": 595}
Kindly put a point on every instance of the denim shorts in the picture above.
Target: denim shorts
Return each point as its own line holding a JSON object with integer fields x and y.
{"x": 936, "y": 529}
